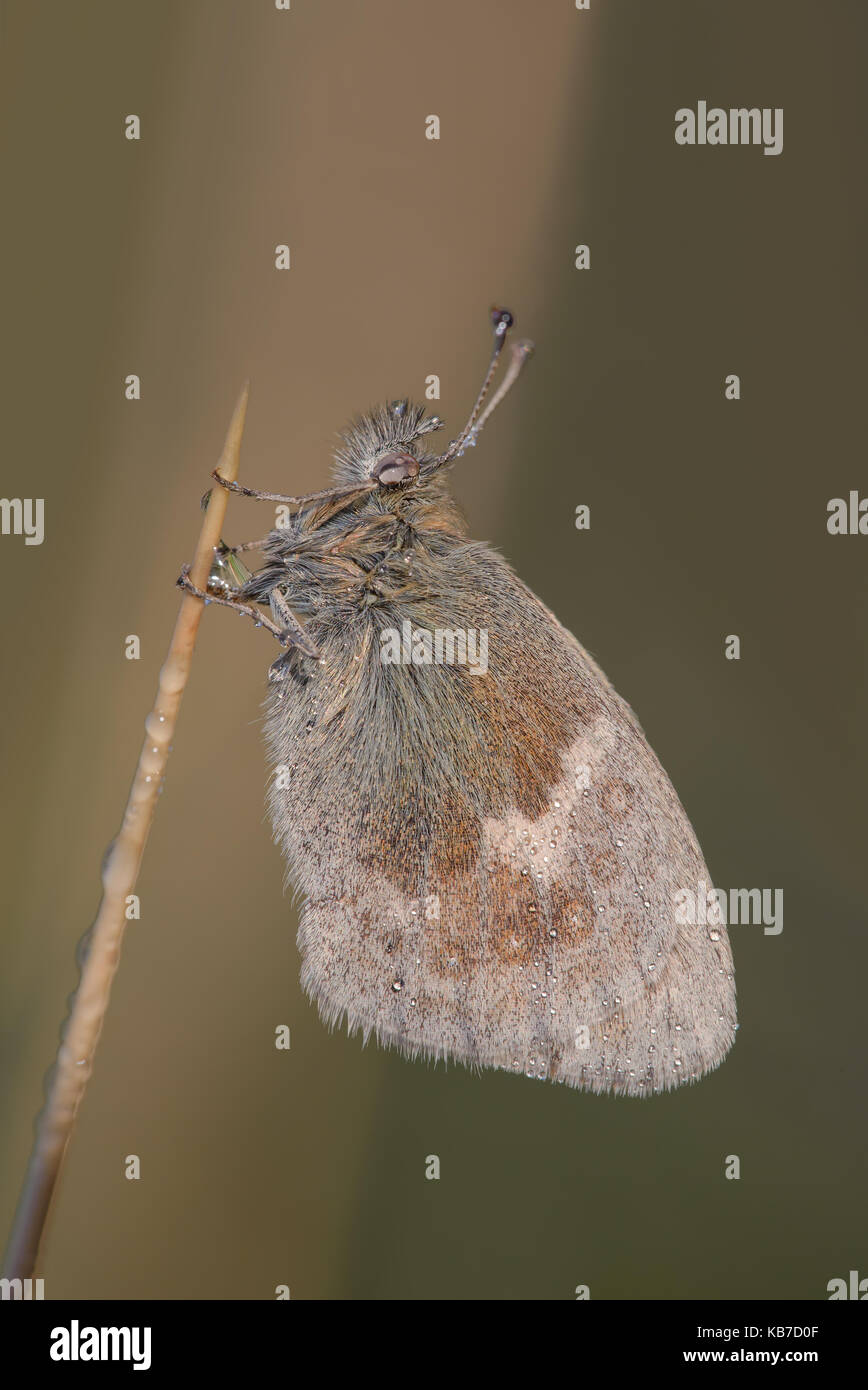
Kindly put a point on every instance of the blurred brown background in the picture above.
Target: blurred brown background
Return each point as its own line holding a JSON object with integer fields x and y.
{"x": 707, "y": 518}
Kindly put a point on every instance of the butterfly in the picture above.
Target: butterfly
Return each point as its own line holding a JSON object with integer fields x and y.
{"x": 487, "y": 850}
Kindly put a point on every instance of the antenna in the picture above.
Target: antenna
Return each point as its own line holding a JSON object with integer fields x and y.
{"x": 502, "y": 320}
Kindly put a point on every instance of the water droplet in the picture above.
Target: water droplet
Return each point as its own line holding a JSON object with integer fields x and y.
{"x": 553, "y": 932}
{"x": 397, "y": 986}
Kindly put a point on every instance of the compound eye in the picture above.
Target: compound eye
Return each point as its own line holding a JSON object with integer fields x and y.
{"x": 395, "y": 468}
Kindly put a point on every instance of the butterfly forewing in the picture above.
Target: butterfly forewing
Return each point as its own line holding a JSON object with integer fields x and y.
{"x": 490, "y": 852}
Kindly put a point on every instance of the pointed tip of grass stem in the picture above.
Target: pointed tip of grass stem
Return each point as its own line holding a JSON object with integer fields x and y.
{"x": 228, "y": 465}
{"x": 215, "y": 511}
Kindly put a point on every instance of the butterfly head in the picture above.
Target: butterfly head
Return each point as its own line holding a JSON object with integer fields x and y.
{"x": 384, "y": 447}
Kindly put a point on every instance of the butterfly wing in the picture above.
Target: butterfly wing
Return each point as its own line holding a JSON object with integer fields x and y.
{"x": 490, "y": 853}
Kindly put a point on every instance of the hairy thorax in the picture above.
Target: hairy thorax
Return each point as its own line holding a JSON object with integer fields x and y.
{"x": 388, "y": 549}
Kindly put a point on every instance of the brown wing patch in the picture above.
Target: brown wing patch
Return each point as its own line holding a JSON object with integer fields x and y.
{"x": 559, "y": 957}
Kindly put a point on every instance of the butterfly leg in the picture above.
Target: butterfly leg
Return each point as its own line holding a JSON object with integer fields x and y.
{"x": 327, "y": 495}
{"x": 291, "y": 635}
{"x": 245, "y": 545}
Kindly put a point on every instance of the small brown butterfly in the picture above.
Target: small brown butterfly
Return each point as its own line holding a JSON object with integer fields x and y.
{"x": 488, "y": 850}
